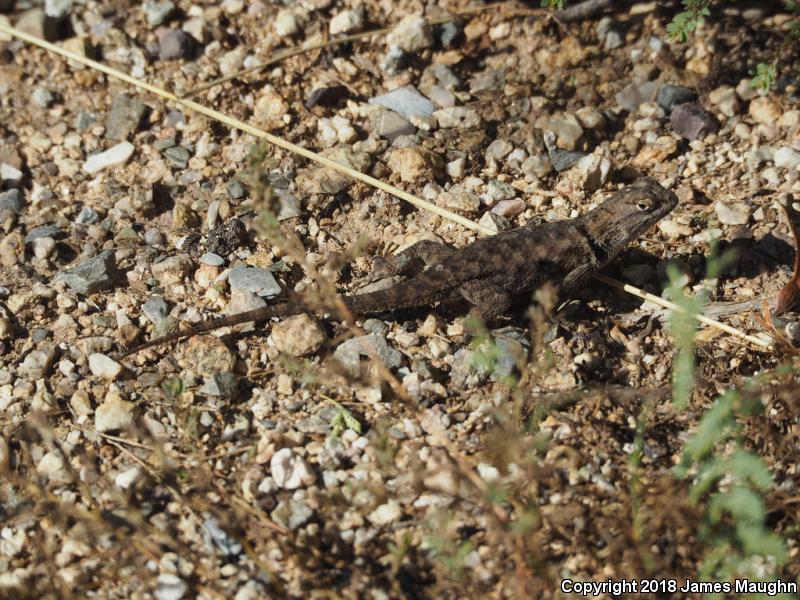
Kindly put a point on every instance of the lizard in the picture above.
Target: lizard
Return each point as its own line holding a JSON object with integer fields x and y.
{"x": 489, "y": 272}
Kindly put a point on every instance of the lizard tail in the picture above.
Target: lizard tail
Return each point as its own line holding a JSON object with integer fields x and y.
{"x": 256, "y": 315}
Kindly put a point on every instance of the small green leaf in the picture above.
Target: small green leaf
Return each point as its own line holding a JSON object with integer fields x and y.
{"x": 740, "y": 502}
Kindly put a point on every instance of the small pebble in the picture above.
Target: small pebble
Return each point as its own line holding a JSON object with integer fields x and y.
{"x": 386, "y": 513}
{"x": 406, "y": 101}
{"x": 157, "y": 13}
{"x": 298, "y": 335}
{"x": 732, "y": 213}
{"x": 787, "y": 158}
{"x": 290, "y": 471}
{"x": 115, "y": 155}
{"x": 256, "y": 280}
{"x": 692, "y": 121}
{"x": 411, "y": 34}
{"x": 346, "y": 21}
{"x": 174, "y": 44}
{"x": 92, "y": 275}
{"x": 113, "y": 414}
{"x": 765, "y": 111}
{"x": 42, "y": 97}
{"x": 671, "y": 96}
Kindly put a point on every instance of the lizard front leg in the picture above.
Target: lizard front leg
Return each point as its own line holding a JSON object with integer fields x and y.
{"x": 576, "y": 278}
{"x": 490, "y": 300}
{"x": 426, "y": 251}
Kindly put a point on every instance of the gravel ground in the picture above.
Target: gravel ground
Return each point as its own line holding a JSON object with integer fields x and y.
{"x": 283, "y": 461}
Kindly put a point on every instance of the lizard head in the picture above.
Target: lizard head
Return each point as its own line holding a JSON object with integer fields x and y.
{"x": 628, "y": 214}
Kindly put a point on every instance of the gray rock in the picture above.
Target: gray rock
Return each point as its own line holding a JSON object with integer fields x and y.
{"x": 406, "y": 101}
{"x": 290, "y": 207}
{"x": 38, "y": 362}
{"x": 671, "y": 96}
{"x": 125, "y": 118}
{"x": 158, "y": 12}
{"x": 441, "y": 96}
{"x": 220, "y": 385}
{"x": 499, "y": 149}
{"x": 242, "y": 302}
{"x": 565, "y": 159}
{"x": 51, "y": 466}
{"x": 211, "y": 259}
{"x": 758, "y": 156}
{"x": 85, "y": 119}
{"x": 164, "y": 143}
{"x": 42, "y": 97}
{"x": 154, "y": 237}
{"x": 11, "y": 201}
{"x": 609, "y": 33}
{"x": 236, "y": 189}
{"x": 376, "y": 326}
{"x": 51, "y": 231}
{"x": 445, "y": 76}
{"x": 390, "y": 125}
{"x": 538, "y": 165}
{"x": 787, "y": 158}
{"x": 178, "y": 156}
{"x": 411, "y": 34}
{"x": 175, "y": 43}
{"x": 614, "y": 39}
{"x": 692, "y": 121}
{"x": 87, "y": 216}
{"x": 635, "y": 94}
{"x": 255, "y": 280}
{"x": 567, "y": 129}
{"x": 488, "y": 80}
{"x": 349, "y": 353}
{"x": 292, "y": 513}
{"x": 462, "y": 373}
{"x": 498, "y": 190}
{"x": 92, "y": 275}
{"x": 495, "y": 221}
{"x": 216, "y": 538}
{"x": 156, "y": 310}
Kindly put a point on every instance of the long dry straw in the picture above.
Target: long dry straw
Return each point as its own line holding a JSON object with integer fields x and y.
{"x": 313, "y": 156}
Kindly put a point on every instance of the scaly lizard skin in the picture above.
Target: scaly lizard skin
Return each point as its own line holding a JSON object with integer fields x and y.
{"x": 490, "y": 271}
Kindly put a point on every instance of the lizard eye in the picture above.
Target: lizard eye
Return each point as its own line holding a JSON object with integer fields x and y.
{"x": 644, "y": 205}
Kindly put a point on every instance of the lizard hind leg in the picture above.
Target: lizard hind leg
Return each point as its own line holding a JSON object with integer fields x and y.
{"x": 426, "y": 251}
{"x": 490, "y": 300}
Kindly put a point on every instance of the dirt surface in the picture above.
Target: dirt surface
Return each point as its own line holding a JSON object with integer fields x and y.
{"x": 283, "y": 461}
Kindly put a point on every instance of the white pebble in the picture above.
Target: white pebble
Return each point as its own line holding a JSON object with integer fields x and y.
{"x": 290, "y": 471}
{"x": 104, "y": 366}
{"x": 113, "y": 156}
